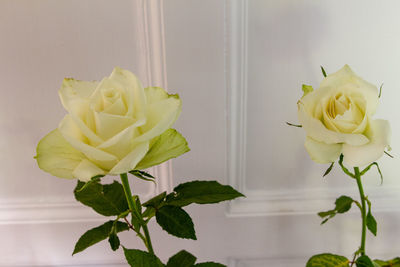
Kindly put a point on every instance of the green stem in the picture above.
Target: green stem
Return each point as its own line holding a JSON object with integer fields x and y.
{"x": 135, "y": 212}
{"x": 363, "y": 209}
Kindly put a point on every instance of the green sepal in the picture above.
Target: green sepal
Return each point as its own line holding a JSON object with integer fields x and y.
{"x": 327, "y": 260}
{"x": 168, "y": 145}
{"x": 181, "y": 259}
{"x": 143, "y": 175}
{"x": 139, "y": 258}
{"x": 175, "y": 221}
{"x": 107, "y": 200}
{"x": 209, "y": 264}
{"x": 306, "y": 89}
{"x": 328, "y": 170}
{"x": 201, "y": 192}
{"x": 98, "y": 234}
{"x": 323, "y": 71}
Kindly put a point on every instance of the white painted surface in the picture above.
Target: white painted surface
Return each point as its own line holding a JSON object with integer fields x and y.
{"x": 257, "y": 51}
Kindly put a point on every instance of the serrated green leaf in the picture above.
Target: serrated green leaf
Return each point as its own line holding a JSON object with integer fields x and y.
{"x": 155, "y": 201}
{"x": 324, "y": 214}
{"x": 201, "y": 192}
{"x": 209, "y": 264}
{"x": 139, "y": 258}
{"x": 371, "y": 223}
{"x": 364, "y": 261}
{"x": 306, "y": 89}
{"x": 108, "y": 200}
{"x": 114, "y": 241}
{"x": 168, "y": 145}
{"x": 176, "y": 222}
{"x": 343, "y": 204}
{"x": 149, "y": 212}
{"x": 327, "y": 260}
{"x": 390, "y": 263}
{"x": 181, "y": 259}
{"x": 98, "y": 234}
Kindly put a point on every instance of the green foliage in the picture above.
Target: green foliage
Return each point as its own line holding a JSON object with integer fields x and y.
{"x": 370, "y": 220}
{"x": 139, "y": 258}
{"x": 176, "y": 222}
{"x": 156, "y": 201}
{"x": 201, "y": 192}
{"x": 108, "y": 200}
{"x": 327, "y": 260}
{"x": 168, "y": 145}
{"x": 365, "y": 261}
{"x": 114, "y": 241}
{"x": 371, "y": 223}
{"x": 98, "y": 234}
{"x": 209, "y": 264}
{"x": 181, "y": 259}
{"x": 390, "y": 263}
{"x": 342, "y": 205}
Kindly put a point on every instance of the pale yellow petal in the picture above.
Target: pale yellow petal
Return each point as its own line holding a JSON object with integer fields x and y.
{"x": 317, "y": 131}
{"x": 72, "y": 89}
{"x": 56, "y": 156}
{"x": 108, "y": 125}
{"x": 71, "y": 132}
{"x": 86, "y": 170}
{"x": 160, "y": 116}
{"x": 379, "y": 134}
{"x": 346, "y": 79}
{"x": 131, "y": 160}
{"x": 321, "y": 152}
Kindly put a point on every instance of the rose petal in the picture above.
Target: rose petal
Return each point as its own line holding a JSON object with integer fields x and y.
{"x": 321, "y": 152}
{"x": 73, "y": 135}
{"x": 56, "y": 156}
{"x": 72, "y": 89}
{"x": 317, "y": 131}
{"x": 122, "y": 143}
{"x": 108, "y": 125}
{"x": 86, "y": 170}
{"x": 134, "y": 92}
{"x": 131, "y": 160}
{"x": 344, "y": 77}
{"x": 379, "y": 134}
{"x": 160, "y": 116}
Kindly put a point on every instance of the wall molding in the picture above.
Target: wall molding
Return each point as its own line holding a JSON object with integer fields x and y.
{"x": 264, "y": 202}
{"x": 149, "y": 28}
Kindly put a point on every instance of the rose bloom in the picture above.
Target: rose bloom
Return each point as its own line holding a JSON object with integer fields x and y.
{"x": 109, "y": 128}
{"x": 338, "y": 120}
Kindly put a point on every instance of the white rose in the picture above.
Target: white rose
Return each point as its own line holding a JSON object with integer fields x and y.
{"x": 110, "y": 127}
{"x": 338, "y": 120}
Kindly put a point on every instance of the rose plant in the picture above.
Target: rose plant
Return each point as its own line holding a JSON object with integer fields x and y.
{"x": 117, "y": 127}
{"x": 337, "y": 119}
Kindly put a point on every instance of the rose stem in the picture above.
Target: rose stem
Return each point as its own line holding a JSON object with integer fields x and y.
{"x": 363, "y": 209}
{"x": 133, "y": 208}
